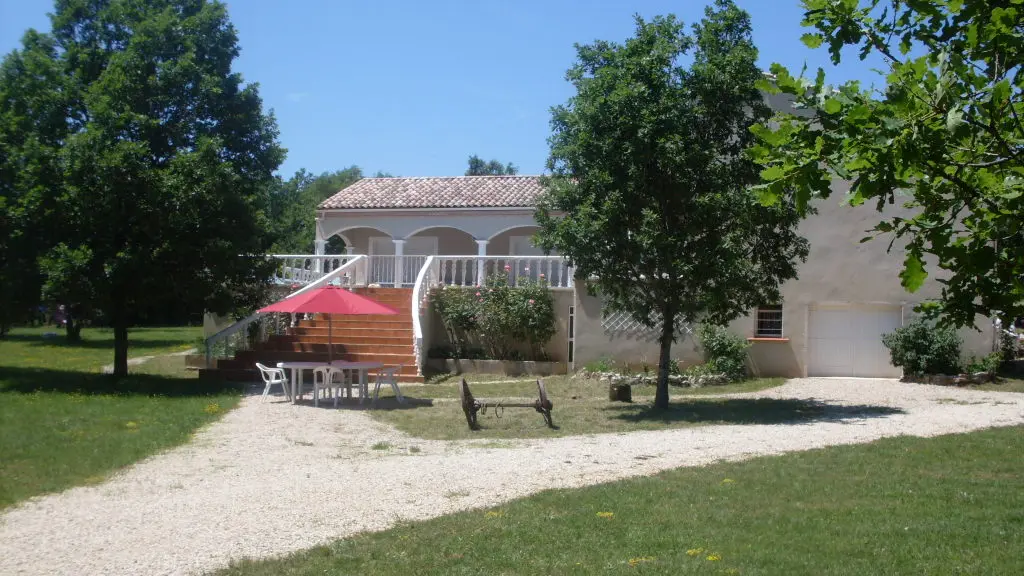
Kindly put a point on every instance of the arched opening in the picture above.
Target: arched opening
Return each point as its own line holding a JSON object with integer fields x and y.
{"x": 514, "y": 241}
{"x": 526, "y": 261}
{"x": 442, "y": 241}
{"x": 379, "y": 248}
{"x": 356, "y": 239}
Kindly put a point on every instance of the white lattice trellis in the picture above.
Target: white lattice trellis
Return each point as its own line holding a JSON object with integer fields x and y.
{"x": 622, "y": 324}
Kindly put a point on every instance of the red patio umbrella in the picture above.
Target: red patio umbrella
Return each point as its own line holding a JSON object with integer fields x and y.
{"x": 329, "y": 300}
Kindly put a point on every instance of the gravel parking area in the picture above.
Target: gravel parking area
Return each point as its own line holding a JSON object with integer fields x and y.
{"x": 270, "y": 479}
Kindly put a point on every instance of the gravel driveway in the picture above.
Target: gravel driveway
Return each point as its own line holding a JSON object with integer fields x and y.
{"x": 274, "y": 478}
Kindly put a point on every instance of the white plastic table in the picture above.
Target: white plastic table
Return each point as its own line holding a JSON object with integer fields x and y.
{"x": 363, "y": 368}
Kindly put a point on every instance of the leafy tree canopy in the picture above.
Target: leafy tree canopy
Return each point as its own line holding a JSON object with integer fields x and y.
{"x": 649, "y": 194}
{"x": 944, "y": 136}
{"x": 138, "y": 154}
{"x": 479, "y": 167}
{"x": 293, "y": 209}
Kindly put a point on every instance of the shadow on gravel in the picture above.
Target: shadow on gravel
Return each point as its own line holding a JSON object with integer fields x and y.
{"x": 751, "y": 411}
{"x": 386, "y": 403}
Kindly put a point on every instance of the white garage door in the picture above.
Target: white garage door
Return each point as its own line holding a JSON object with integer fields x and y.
{"x": 846, "y": 340}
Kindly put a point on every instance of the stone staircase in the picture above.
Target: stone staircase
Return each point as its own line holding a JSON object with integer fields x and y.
{"x": 370, "y": 338}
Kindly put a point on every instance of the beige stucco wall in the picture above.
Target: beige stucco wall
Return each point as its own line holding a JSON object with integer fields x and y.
{"x": 839, "y": 269}
{"x": 592, "y": 342}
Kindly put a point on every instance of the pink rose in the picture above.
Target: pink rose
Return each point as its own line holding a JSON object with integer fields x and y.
{"x": 531, "y": 301}
{"x": 481, "y": 300}
{"x": 542, "y": 275}
{"x": 477, "y": 293}
{"x": 507, "y": 268}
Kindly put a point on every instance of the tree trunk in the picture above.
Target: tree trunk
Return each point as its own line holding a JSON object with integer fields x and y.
{"x": 120, "y": 348}
{"x": 72, "y": 328}
{"x": 668, "y": 329}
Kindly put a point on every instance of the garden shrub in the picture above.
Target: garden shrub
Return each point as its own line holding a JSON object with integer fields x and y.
{"x": 1008, "y": 345}
{"x": 922, "y": 348}
{"x": 509, "y": 323}
{"x": 459, "y": 312}
{"x": 990, "y": 363}
{"x": 724, "y": 352}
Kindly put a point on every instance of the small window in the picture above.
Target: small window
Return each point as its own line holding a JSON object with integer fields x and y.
{"x": 769, "y": 321}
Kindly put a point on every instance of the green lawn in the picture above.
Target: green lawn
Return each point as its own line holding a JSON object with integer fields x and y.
{"x": 1001, "y": 385}
{"x": 580, "y": 407}
{"x": 63, "y": 424}
{"x": 946, "y": 505}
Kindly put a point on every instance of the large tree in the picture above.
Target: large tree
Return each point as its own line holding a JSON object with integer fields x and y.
{"x": 163, "y": 171}
{"x": 649, "y": 190}
{"x": 293, "y": 208}
{"x": 942, "y": 134}
{"x": 33, "y": 105}
{"x": 480, "y": 167}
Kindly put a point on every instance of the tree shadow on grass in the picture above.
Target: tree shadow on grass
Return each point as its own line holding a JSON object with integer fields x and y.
{"x": 750, "y": 411}
{"x": 29, "y": 380}
{"x": 92, "y": 342}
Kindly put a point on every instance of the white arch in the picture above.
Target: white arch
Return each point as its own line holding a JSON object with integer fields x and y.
{"x": 339, "y": 231}
{"x": 432, "y": 226}
{"x": 503, "y": 230}
{"x": 342, "y": 236}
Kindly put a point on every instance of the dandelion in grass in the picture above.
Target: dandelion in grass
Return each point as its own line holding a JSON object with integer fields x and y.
{"x": 494, "y": 514}
{"x": 694, "y": 552}
{"x": 212, "y": 408}
{"x": 606, "y": 515}
{"x": 641, "y": 560}
{"x": 728, "y": 481}
{"x": 713, "y": 558}
{"x": 131, "y": 425}
{"x": 730, "y": 571}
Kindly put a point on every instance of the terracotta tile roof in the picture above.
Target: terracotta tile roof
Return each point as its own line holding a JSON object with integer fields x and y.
{"x": 446, "y": 192}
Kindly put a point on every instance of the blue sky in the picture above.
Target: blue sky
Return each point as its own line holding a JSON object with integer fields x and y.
{"x": 414, "y": 87}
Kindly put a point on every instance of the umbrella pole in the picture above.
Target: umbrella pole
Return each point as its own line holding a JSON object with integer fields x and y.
{"x": 330, "y": 341}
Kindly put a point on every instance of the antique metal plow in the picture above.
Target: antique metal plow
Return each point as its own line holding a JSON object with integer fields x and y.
{"x": 470, "y": 405}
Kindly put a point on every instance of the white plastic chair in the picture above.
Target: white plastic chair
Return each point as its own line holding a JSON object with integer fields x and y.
{"x": 272, "y": 376}
{"x": 388, "y": 375}
{"x": 347, "y": 378}
{"x": 323, "y": 379}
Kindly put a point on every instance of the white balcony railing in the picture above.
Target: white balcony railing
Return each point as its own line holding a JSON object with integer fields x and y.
{"x": 554, "y": 271}
{"x": 382, "y": 269}
{"x": 306, "y": 268}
